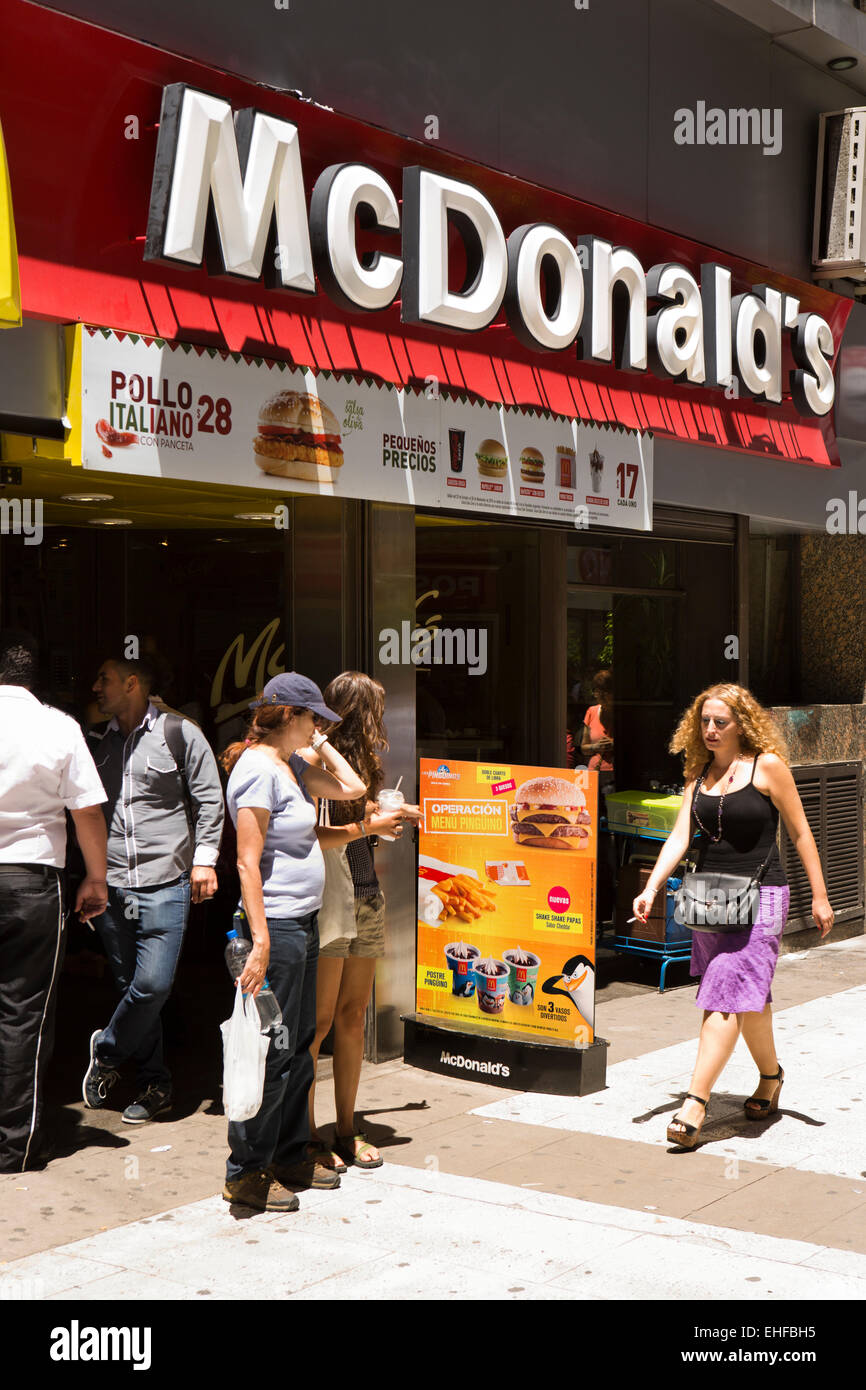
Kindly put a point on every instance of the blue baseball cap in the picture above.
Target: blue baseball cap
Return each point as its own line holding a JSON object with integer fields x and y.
{"x": 291, "y": 688}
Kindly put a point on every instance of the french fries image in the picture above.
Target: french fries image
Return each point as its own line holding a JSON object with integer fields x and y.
{"x": 464, "y": 897}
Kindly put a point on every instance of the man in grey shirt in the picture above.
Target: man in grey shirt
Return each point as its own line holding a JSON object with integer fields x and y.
{"x": 165, "y": 818}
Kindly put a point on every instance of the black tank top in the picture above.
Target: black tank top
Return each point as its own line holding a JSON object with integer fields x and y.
{"x": 749, "y": 824}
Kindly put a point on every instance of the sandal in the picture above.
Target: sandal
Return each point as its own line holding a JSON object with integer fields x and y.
{"x": 689, "y": 1136}
{"x": 353, "y": 1148}
{"x": 756, "y": 1107}
{"x": 319, "y": 1152}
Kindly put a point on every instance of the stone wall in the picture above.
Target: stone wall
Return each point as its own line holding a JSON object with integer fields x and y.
{"x": 833, "y": 621}
{"x": 823, "y": 734}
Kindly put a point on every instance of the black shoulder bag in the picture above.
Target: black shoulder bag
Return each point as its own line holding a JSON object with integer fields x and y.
{"x": 719, "y": 902}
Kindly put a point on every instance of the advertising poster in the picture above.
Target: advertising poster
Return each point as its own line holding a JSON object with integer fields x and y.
{"x": 518, "y": 463}
{"x": 506, "y": 899}
{"x": 196, "y": 414}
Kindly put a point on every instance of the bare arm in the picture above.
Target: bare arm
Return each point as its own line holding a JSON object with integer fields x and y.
{"x": 330, "y": 775}
{"x": 92, "y": 896}
{"x": 252, "y": 828}
{"x": 379, "y": 823}
{"x": 785, "y": 797}
{"x": 673, "y": 849}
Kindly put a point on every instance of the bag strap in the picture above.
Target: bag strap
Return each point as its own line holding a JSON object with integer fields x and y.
{"x": 172, "y": 732}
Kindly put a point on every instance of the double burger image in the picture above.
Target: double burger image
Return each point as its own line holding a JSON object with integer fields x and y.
{"x": 550, "y": 813}
{"x": 299, "y": 437}
{"x": 532, "y": 466}
{"x": 491, "y": 458}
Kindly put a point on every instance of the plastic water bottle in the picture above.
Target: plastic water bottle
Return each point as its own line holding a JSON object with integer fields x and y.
{"x": 236, "y": 954}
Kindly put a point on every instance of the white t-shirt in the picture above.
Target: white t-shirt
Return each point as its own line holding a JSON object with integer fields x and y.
{"x": 45, "y": 769}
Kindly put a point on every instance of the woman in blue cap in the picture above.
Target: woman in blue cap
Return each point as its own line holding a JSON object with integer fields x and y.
{"x": 271, "y": 798}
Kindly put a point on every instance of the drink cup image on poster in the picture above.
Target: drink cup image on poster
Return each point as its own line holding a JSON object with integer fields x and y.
{"x": 506, "y": 899}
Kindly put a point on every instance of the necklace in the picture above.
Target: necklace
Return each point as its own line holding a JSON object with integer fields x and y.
{"x": 714, "y": 839}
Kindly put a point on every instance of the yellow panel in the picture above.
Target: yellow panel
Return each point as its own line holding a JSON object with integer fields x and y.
{"x": 10, "y": 289}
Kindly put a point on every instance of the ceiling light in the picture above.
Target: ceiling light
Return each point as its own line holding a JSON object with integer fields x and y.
{"x": 255, "y": 516}
{"x": 110, "y": 521}
{"x": 842, "y": 64}
{"x": 87, "y": 497}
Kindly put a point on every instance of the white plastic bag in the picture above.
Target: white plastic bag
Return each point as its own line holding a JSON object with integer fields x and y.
{"x": 245, "y": 1049}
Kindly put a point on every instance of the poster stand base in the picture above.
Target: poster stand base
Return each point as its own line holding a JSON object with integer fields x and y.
{"x": 498, "y": 1058}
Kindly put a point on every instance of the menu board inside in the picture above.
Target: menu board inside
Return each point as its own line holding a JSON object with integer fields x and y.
{"x": 506, "y": 899}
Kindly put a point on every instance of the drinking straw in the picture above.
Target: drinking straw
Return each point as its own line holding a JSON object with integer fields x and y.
{"x": 399, "y": 780}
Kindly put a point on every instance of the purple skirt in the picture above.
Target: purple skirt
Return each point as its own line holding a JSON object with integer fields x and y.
{"x": 736, "y": 968}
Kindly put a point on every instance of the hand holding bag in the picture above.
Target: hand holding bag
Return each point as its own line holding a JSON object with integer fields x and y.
{"x": 245, "y": 1050}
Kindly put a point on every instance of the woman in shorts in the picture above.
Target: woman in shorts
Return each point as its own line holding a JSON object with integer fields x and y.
{"x": 347, "y": 967}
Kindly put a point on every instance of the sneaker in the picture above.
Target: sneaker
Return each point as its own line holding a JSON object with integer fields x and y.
{"x": 262, "y": 1191}
{"x": 98, "y": 1080}
{"x": 152, "y": 1101}
{"x": 305, "y": 1174}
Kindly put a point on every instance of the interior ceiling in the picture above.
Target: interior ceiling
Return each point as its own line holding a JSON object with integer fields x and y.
{"x": 151, "y": 503}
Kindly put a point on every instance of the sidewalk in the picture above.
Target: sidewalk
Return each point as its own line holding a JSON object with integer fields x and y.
{"x": 584, "y": 1195}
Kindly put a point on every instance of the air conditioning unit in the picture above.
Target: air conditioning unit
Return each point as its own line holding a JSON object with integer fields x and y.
{"x": 839, "y": 232}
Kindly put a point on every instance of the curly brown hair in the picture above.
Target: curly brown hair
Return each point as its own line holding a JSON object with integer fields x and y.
{"x": 758, "y": 730}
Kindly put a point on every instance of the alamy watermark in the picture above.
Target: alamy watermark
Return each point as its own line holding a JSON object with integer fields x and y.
{"x": 22, "y": 516}
{"x": 443, "y": 646}
{"x": 846, "y": 516}
{"x": 737, "y": 126}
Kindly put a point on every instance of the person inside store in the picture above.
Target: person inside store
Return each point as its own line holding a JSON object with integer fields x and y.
{"x": 352, "y": 919}
{"x": 271, "y": 797}
{"x": 596, "y": 742}
{"x": 164, "y": 814}
{"x": 46, "y": 771}
{"x": 596, "y": 748}
{"x": 738, "y": 783}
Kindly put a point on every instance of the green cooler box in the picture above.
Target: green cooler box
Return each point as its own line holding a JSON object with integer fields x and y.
{"x": 637, "y": 811}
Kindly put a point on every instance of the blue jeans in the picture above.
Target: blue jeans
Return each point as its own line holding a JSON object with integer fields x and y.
{"x": 142, "y": 931}
{"x": 281, "y": 1130}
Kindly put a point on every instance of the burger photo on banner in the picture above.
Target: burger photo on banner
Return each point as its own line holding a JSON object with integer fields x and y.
{"x": 550, "y": 813}
{"x": 299, "y": 437}
{"x": 492, "y": 459}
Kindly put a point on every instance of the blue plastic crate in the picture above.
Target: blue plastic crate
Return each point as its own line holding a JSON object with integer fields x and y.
{"x": 674, "y": 930}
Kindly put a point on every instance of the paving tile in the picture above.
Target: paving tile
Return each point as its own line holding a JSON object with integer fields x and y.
{"x": 803, "y": 1206}
{"x": 56, "y": 1273}
{"x": 558, "y": 1173}
{"x": 130, "y": 1285}
{"x": 848, "y": 1233}
{"x": 838, "y": 1261}
{"x": 460, "y": 1231}
{"x": 693, "y": 1273}
{"x": 395, "y": 1277}
{"x": 270, "y": 1261}
{"x": 622, "y": 1160}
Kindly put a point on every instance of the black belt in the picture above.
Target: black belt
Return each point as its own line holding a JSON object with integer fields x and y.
{"x": 43, "y": 870}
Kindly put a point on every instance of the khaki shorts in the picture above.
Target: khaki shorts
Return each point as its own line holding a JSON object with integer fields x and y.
{"x": 370, "y": 922}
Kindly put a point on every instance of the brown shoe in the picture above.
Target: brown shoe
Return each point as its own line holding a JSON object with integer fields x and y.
{"x": 260, "y": 1190}
{"x": 305, "y": 1175}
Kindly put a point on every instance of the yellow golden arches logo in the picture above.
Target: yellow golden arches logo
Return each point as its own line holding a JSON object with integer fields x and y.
{"x": 10, "y": 288}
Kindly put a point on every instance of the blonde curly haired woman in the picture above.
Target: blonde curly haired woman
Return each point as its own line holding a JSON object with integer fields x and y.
{"x": 738, "y": 783}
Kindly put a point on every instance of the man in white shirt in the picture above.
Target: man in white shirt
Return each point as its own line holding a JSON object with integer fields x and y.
{"x": 45, "y": 770}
